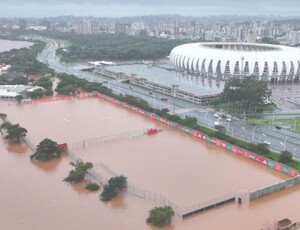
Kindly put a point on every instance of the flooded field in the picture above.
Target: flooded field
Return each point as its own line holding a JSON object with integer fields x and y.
{"x": 6, "y": 45}
{"x": 187, "y": 171}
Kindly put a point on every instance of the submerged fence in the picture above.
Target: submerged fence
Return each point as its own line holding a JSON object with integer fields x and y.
{"x": 208, "y": 205}
{"x": 274, "y": 188}
{"x": 106, "y": 139}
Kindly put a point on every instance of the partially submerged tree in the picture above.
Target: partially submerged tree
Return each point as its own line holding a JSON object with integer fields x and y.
{"x": 113, "y": 188}
{"x": 14, "y": 132}
{"x": 3, "y": 116}
{"x": 46, "y": 150}
{"x": 160, "y": 216}
{"x": 79, "y": 173}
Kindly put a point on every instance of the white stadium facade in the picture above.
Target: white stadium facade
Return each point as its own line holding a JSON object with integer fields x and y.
{"x": 223, "y": 60}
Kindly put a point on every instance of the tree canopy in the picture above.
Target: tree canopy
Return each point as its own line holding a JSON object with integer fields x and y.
{"x": 46, "y": 150}
{"x": 14, "y": 131}
{"x": 113, "y": 188}
{"x": 285, "y": 157}
{"x": 160, "y": 216}
{"x": 246, "y": 93}
{"x": 79, "y": 173}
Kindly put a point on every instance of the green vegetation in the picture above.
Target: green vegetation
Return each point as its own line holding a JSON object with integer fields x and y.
{"x": 113, "y": 188}
{"x": 69, "y": 85}
{"x": 92, "y": 187}
{"x": 3, "y": 116}
{"x": 24, "y": 60}
{"x": 44, "y": 82}
{"x": 112, "y": 47}
{"x": 285, "y": 157}
{"x": 79, "y": 173}
{"x": 14, "y": 132}
{"x": 160, "y": 216}
{"x": 247, "y": 94}
{"x": 46, "y": 150}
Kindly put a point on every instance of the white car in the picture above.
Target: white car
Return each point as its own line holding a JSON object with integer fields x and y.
{"x": 217, "y": 123}
{"x": 228, "y": 119}
{"x": 216, "y": 115}
{"x": 267, "y": 142}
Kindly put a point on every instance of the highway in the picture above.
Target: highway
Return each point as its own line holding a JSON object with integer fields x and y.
{"x": 278, "y": 140}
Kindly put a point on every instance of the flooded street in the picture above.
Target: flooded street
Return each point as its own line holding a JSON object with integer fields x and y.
{"x": 188, "y": 171}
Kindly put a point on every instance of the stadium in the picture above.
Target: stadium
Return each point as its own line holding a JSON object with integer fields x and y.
{"x": 224, "y": 60}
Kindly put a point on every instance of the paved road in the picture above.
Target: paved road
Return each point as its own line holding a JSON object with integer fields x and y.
{"x": 278, "y": 139}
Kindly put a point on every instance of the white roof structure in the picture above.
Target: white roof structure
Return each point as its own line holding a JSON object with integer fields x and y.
{"x": 268, "y": 62}
{"x": 11, "y": 91}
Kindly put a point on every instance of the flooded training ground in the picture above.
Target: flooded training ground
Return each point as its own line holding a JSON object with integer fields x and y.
{"x": 185, "y": 170}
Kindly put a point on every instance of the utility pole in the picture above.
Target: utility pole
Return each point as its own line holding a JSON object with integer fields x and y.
{"x": 174, "y": 87}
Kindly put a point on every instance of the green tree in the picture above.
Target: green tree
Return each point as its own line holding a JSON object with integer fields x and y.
{"x": 262, "y": 149}
{"x": 38, "y": 93}
{"x": 79, "y": 173}
{"x": 46, "y": 150}
{"x": 113, "y": 188}
{"x": 15, "y": 132}
{"x": 92, "y": 187}
{"x": 160, "y": 216}
{"x": 285, "y": 157}
{"x": 3, "y": 116}
{"x": 44, "y": 82}
{"x": 19, "y": 98}
{"x": 247, "y": 93}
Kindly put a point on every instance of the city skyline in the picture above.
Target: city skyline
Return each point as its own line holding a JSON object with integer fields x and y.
{"x": 118, "y": 8}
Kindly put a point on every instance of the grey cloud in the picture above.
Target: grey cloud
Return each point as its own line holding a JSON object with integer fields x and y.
{"x": 115, "y": 8}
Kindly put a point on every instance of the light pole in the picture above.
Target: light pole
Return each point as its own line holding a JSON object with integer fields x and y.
{"x": 253, "y": 134}
{"x": 295, "y": 151}
{"x": 285, "y": 142}
{"x": 174, "y": 87}
{"x": 263, "y": 135}
{"x": 242, "y": 70}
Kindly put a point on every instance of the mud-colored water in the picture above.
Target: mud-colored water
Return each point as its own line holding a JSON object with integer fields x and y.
{"x": 6, "y": 45}
{"x": 188, "y": 171}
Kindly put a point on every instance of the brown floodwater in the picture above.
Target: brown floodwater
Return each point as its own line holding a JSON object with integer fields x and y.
{"x": 188, "y": 171}
{"x": 6, "y": 45}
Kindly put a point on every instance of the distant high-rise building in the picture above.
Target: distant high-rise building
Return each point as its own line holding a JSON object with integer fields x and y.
{"x": 87, "y": 27}
{"x": 95, "y": 27}
{"x": 250, "y": 38}
{"x": 122, "y": 28}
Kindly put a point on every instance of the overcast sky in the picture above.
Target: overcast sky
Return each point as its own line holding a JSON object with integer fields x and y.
{"x": 118, "y": 8}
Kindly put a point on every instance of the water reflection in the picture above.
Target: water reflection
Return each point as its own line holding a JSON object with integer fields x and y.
{"x": 49, "y": 166}
{"x": 187, "y": 82}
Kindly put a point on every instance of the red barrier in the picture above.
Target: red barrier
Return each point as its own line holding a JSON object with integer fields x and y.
{"x": 219, "y": 143}
{"x": 278, "y": 167}
{"x": 261, "y": 159}
{"x": 294, "y": 172}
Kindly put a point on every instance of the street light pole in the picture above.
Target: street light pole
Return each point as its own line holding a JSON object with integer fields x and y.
{"x": 253, "y": 134}
{"x": 175, "y": 87}
{"x": 263, "y": 135}
{"x": 242, "y": 70}
{"x": 284, "y": 145}
{"x": 295, "y": 151}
